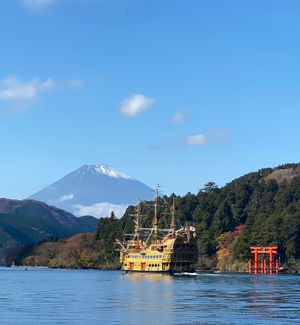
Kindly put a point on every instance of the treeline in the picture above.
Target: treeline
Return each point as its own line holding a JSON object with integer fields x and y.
{"x": 261, "y": 208}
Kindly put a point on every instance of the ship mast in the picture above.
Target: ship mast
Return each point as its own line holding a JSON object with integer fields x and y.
{"x": 173, "y": 220}
{"x": 137, "y": 221}
{"x": 155, "y": 220}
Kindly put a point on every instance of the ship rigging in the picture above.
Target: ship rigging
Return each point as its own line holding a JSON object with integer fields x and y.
{"x": 154, "y": 249}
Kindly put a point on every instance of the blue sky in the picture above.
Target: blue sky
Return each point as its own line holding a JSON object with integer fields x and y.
{"x": 172, "y": 92}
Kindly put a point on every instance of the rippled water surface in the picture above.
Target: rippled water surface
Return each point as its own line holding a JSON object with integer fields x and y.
{"x": 110, "y": 297}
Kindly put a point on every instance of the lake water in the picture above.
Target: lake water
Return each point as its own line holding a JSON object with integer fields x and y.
{"x": 48, "y": 296}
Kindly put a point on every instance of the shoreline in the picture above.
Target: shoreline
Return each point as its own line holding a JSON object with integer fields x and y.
{"x": 197, "y": 272}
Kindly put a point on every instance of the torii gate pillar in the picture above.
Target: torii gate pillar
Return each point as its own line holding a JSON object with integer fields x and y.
{"x": 268, "y": 258}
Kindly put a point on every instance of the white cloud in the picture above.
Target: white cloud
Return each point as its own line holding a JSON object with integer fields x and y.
{"x": 136, "y": 104}
{"x": 178, "y": 118}
{"x": 22, "y": 94}
{"x": 75, "y": 83}
{"x": 217, "y": 136}
{"x": 197, "y": 140}
{"x": 36, "y": 5}
{"x": 12, "y": 88}
{"x": 99, "y": 210}
{"x": 66, "y": 197}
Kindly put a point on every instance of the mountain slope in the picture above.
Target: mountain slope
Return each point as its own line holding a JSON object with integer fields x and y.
{"x": 96, "y": 190}
{"x": 28, "y": 221}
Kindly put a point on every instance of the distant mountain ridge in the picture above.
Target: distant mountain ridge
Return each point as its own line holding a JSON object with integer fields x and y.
{"x": 96, "y": 190}
{"x": 24, "y": 222}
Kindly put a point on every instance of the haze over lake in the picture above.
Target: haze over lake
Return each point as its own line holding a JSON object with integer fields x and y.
{"x": 47, "y": 296}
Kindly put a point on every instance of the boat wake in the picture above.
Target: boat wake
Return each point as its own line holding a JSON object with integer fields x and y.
{"x": 186, "y": 274}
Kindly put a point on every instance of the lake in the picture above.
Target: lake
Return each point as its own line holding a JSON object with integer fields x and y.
{"x": 46, "y": 296}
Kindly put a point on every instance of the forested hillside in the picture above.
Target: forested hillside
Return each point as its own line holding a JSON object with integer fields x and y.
{"x": 260, "y": 208}
{"x": 25, "y": 222}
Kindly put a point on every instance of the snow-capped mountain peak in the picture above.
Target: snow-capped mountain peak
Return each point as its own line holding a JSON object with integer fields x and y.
{"x": 96, "y": 190}
{"x": 103, "y": 169}
{"x": 111, "y": 172}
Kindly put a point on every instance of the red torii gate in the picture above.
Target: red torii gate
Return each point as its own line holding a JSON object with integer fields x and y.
{"x": 269, "y": 262}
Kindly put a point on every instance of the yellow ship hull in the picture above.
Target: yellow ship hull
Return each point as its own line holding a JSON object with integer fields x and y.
{"x": 168, "y": 256}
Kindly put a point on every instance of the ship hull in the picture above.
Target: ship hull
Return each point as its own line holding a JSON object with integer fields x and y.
{"x": 170, "y": 256}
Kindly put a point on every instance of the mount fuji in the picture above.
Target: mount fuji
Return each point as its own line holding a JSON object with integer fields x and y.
{"x": 95, "y": 190}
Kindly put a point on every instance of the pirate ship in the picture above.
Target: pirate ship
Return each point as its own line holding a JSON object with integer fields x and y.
{"x": 158, "y": 249}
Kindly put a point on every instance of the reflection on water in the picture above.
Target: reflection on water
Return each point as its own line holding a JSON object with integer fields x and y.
{"x": 107, "y": 297}
{"x": 147, "y": 277}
